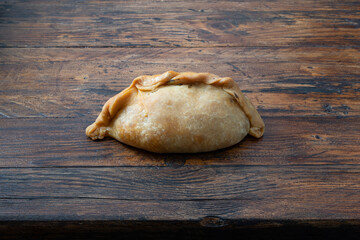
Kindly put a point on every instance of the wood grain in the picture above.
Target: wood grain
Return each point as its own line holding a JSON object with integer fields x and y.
{"x": 78, "y": 209}
{"x": 298, "y": 62}
{"x": 186, "y": 193}
{"x": 279, "y": 81}
{"x": 53, "y": 142}
{"x": 178, "y": 23}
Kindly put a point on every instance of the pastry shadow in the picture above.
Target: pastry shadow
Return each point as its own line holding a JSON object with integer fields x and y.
{"x": 220, "y": 156}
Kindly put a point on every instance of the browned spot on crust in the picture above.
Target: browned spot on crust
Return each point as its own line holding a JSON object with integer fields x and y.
{"x": 198, "y": 139}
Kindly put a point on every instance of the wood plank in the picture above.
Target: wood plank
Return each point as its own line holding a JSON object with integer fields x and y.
{"x": 178, "y": 23}
{"x": 185, "y": 193}
{"x": 280, "y": 81}
{"x": 53, "y": 142}
{"x": 108, "y": 209}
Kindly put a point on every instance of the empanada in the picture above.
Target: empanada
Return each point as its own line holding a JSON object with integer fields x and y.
{"x": 178, "y": 113}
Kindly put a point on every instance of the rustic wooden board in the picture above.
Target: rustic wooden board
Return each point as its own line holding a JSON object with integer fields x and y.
{"x": 306, "y": 185}
{"x": 77, "y": 209}
{"x": 54, "y": 142}
{"x": 298, "y": 62}
{"x": 303, "y": 192}
{"x": 179, "y": 23}
{"x": 280, "y": 81}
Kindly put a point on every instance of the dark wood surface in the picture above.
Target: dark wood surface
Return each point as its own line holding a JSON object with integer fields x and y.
{"x": 179, "y": 23}
{"x": 297, "y": 62}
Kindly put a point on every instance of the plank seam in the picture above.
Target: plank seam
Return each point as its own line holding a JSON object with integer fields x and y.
{"x": 192, "y": 166}
{"x": 206, "y": 46}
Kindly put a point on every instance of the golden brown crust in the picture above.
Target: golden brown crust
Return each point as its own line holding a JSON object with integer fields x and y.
{"x": 98, "y": 129}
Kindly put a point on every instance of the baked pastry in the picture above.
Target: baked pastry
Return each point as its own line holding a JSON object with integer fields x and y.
{"x": 178, "y": 113}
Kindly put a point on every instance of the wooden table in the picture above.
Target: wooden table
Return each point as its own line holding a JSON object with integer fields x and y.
{"x": 297, "y": 61}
